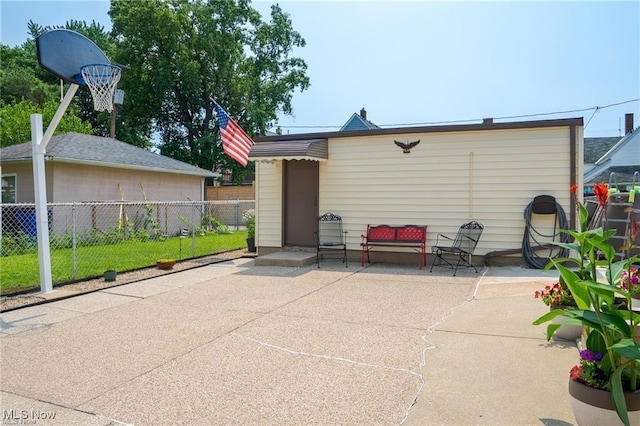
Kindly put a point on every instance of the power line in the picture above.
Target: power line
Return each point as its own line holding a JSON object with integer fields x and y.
{"x": 428, "y": 123}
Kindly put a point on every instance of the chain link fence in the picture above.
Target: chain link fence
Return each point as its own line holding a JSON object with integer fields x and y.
{"x": 88, "y": 238}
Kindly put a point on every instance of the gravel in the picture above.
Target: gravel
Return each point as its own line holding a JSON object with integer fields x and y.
{"x": 8, "y": 303}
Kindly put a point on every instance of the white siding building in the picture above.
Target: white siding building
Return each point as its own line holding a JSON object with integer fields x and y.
{"x": 484, "y": 172}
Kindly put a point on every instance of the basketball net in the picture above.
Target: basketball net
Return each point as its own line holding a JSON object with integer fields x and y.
{"x": 102, "y": 80}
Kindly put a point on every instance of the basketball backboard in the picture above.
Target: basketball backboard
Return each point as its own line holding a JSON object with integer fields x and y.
{"x": 64, "y": 52}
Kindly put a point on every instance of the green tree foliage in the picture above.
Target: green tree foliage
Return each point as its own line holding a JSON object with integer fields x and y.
{"x": 179, "y": 54}
{"x": 129, "y": 129}
{"x": 16, "y": 120}
{"x": 24, "y": 84}
{"x": 26, "y": 89}
{"x": 19, "y": 76}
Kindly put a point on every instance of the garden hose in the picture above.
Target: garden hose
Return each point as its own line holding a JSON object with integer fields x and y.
{"x": 544, "y": 204}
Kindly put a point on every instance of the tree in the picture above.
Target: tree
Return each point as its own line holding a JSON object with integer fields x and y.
{"x": 19, "y": 77}
{"x": 130, "y": 129}
{"x": 16, "y": 121}
{"x": 181, "y": 53}
{"x": 22, "y": 79}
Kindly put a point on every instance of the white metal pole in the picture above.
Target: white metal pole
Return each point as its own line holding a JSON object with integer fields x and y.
{"x": 40, "y": 192}
{"x": 62, "y": 108}
{"x": 38, "y": 148}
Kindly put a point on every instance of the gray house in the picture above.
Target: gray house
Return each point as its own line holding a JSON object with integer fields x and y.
{"x": 615, "y": 159}
{"x": 85, "y": 168}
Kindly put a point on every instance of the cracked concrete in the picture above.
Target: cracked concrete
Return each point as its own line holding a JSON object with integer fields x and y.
{"x": 238, "y": 343}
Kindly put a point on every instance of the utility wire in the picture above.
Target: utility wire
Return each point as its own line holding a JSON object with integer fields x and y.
{"x": 594, "y": 108}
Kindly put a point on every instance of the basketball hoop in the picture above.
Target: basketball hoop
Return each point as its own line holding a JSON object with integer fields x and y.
{"x": 101, "y": 80}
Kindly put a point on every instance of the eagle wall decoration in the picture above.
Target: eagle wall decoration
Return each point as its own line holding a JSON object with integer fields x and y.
{"x": 406, "y": 147}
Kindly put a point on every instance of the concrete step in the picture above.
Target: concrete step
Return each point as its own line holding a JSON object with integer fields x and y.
{"x": 286, "y": 258}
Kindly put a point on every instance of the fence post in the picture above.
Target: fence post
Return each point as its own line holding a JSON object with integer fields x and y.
{"x": 0, "y": 224}
{"x": 193, "y": 231}
{"x": 74, "y": 251}
{"x": 237, "y": 214}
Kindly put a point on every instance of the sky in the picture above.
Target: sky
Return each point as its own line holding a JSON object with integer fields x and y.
{"x": 426, "y": 62}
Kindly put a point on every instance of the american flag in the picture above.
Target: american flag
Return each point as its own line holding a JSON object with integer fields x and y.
{"x": 235, "y": 142}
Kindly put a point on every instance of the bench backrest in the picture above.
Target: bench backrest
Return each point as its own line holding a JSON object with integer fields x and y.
{"x": 396, "y": 234}
{"x": 330, "y": 230}
{"x": 468, "y": 237}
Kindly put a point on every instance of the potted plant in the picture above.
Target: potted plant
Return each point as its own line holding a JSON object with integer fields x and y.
{"x": 558, "y": 296}
{"x": 110, "y": 275}
{"x": 166, "y": 263}
{"x": 607, "y": 376}
{"x": 630, "y": 281}
{"x": 249, "y": 218}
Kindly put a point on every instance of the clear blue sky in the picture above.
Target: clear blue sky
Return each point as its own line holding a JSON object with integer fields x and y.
{"x": 421, "y": 62}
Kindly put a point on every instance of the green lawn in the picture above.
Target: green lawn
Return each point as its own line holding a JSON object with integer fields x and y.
{"x": 21, "y": 272}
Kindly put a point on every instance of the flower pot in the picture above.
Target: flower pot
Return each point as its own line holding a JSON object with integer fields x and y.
{"x": 165, "y": 264}
{"x": 251, "y": 245}
{"x": 594, "y": 406}
{"x": 110, "y": 275}
{"x": 565, "y": 332}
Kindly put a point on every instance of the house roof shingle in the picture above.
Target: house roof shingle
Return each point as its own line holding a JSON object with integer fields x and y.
{"x": 96, "y": 150}
{"x": 595, "y": 148}
{"x": 623, "y": 159}
{"x": 357, "y": 122}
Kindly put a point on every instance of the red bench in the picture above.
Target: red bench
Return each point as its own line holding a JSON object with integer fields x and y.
{"x": 395, "y": 236}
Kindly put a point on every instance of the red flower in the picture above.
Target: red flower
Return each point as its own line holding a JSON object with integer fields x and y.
{"x": 602, "y": 193}
{"x": 575, "y": 373}
{"x": 574, "y": 189}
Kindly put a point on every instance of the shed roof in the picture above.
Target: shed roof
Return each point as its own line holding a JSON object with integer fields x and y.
{"x": 425, "y": 129}
{"x": 100, "y": 151}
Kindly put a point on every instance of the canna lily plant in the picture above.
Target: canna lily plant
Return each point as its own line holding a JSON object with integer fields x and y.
{"x": 604, "y": 307}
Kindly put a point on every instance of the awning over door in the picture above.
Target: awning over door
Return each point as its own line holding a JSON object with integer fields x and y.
{"x": 306, "y": 149}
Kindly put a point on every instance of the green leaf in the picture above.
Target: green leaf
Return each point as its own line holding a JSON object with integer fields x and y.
{"x": 583, "y": 215}
{"x": 596, "y": 343}
{"x": 549, "y": 316}
{"x": 605, "y": 291}
{"x": 614, "y": 321}
{"x": 578, "y": 290}
{"x": 587, "y": 318}
{"x": 551, "y": 328}
{"x": 618, "y": 396}
{"x": 627, "y": 348}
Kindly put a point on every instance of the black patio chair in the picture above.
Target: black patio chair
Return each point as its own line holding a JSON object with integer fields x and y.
{"x": 331, "y": 239}
{"x": 460, "y": 250}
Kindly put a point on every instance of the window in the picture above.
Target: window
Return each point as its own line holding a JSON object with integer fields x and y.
{"x": 9, "y": 188}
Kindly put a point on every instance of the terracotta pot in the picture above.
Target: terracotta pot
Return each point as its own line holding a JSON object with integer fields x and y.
{"x": 167, "y": 264}
{"x": 594, "y": 406}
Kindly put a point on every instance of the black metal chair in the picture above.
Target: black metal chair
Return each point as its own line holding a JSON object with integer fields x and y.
{"x": 461, "y": 249}
{"x": 331, "y": 239}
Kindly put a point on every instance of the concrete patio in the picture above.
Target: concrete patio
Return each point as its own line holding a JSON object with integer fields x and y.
{"x": 238, "y": 343}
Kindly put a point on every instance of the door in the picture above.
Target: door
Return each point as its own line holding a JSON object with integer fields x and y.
{"x": 301, "y": 180}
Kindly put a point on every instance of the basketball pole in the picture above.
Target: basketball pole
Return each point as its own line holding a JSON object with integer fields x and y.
{"x": 38, "y": 149}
